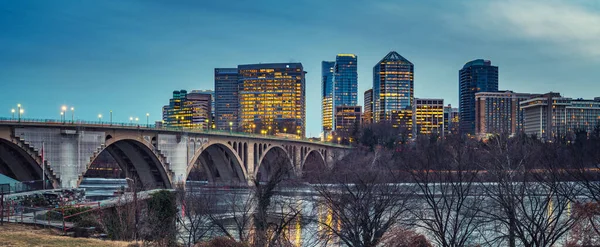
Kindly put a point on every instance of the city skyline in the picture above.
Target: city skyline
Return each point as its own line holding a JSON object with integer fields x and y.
{"x": 55, "y": 56}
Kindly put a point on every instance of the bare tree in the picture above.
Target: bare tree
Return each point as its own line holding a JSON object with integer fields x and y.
{"x": 529, "y": 198}
{"x": 363, "y": 203}
{"x": 445, "y": 175}
{"x": 194, "y": 220}
{"x": 238, "y": 207}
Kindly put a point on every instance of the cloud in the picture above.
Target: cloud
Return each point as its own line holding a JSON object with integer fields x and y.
{"x": 567, "y": 26}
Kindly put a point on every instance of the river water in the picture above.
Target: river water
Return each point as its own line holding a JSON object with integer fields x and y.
{"x": 309, "y": 228}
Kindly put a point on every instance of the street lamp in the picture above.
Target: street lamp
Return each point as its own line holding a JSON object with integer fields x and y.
{"x": 111, "y": 117}
{"x": 62, "y": 115}
{"x": 269, "y": 130}
{"x": 19, "y": 111}
{"x": 230, "y": 127}
{"x": 72, "y": 114}
{"x": 64, "y": 112}
{"x": 137, "y": 120}
{"x": 100, "y": 118}
{"x": 13, "y": 114}
{"x": 285, "y": 130}
{"x": 147, "y": 120}
{"x": 130, "y": 120}
{"x": 298, "y": 131}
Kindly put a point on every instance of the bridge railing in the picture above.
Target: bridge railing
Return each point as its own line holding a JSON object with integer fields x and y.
{"x": 155, "y": 127}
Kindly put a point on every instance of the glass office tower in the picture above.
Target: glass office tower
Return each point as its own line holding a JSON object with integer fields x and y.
{"x": 393, "y": 91}
{"x": 345, "y": 80}
{"x": 327, "y": 68}
{"x": 226, "y": 98}
{"x": 476, "y": 76}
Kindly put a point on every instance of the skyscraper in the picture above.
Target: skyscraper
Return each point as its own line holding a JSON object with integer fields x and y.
{"x": 226, "y": 98}
{"x": 188, "y": 110}
{"x": 476, "y": 76}
{"x": 393, "y": 91}
{"x": 327, "y": 68}
{"x": 499, "y": 112}
{"x": 368, "y": 115}
{"x": 428, "y": 117}
{"x": 272, "y": 98}
{"x": 345, "y": 80}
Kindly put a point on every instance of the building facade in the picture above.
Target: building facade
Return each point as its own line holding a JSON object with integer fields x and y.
{"x": 368, "y": 112}
{"x": 428, "y": 117}
{"x": 475, "y": 76}
{"x": 393, "y": 91}
{"x": 551, "y": 116}
{"x": 272, "y": 98}
{"x": 190, "y": 111}
{"x": 499, "y": 112}
{"x": 327, "y": 69}
{"x": 226, "y": 98}
{"x": 451, "y": 120}
{"x": 347, "y": 118}
{"x": 345, "y": 80}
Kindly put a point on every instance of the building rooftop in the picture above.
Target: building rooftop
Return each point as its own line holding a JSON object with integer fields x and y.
{"x": 478, "y": 62}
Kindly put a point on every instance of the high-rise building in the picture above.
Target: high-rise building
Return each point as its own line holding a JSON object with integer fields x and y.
{"x": 327, "y": 68}
{"x": 345, "y": 80}
{"x": 551, "y": 116}
{"x": 499, "y": 112}
{"x": 226, "y": 98}
{"x": 347, "y": 118}
{"x": 428, "y": 117}
{"x": 212, "y": 94}
{"x": 451, "y": 120}
{"x": 272, "y": 98}
{"x": 393, "y": 91}
{"x": 368, "y": 113}
{"x": 476, "y": 76}
{"x": 188, "y": 110}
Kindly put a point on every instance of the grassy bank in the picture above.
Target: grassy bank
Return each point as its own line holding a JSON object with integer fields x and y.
{"x": 22, "y": 235}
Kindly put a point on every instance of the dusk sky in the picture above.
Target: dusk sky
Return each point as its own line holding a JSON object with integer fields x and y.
{"x": 128, "y": 56}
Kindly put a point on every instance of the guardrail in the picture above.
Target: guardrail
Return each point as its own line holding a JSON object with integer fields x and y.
{"x": 103, "y": 124}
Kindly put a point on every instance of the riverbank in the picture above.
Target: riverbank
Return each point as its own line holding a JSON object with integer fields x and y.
{"x": 25, "y": 235}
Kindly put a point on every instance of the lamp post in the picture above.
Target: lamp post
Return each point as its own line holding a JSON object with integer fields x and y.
{"x": 137, "y": 121}
{"x": 147, "y": 120}
{"x": 62, "y": 115}
{"x": 13, "y": 114}
{"x": 111, "y": 117}
{"x": 269, "y": 131}
{"x": 19, "y": 111}
{"x": 285, "y": 130}
{"x": 230, "y": 127}
{"x": 72, "y": 114}
{"x": 100, "y": 118}
{"x": 130, "y": 120}
{"x": 298, "y": 131}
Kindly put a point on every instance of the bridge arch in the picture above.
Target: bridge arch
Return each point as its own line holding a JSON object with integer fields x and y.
{"x": 313, "y": 163}
{"x": 19, "y": 163}
{"x": 138, "y": 160}
{"x": 220, "y": 161}
{"x": 274, "y": 155}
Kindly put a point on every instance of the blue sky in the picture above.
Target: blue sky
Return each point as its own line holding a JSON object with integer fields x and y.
{"x": 128, "y": 56}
